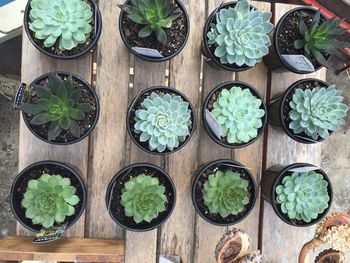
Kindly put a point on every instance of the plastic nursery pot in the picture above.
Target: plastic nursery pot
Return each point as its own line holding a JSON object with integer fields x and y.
{"x": 149, "y": 48}
{"x": 77, "y": 52}
{"x": 65, "y": 138}
{"x": 34, "y": 171}
{"x": 278, "y": 109}
{"x": 211, "y": 98}
{"x": 114, "y": 192}
{"x": 274, "y": 176}
{"x": 136, "y": 104}
{"x": 201, "y": 175}
{"x": 287, "y": 27}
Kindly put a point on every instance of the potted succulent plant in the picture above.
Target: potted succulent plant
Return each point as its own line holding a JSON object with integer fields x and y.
{"x": 59, "y": 107}
{"x": 63, "y": 29}
{"x": 300, "y": 194}
{"x": 223, "y": 192}
{"x": 154, "y": 30}
{"x": 309, "y": 111}
{"x": 160, "y": 120}
{"x": 47, "y": 193}
{"x": 234, "y": 114}
{"x": 140, "y": 197}
{"x": 236, "y": 36}
{"x": 304, "y": 40}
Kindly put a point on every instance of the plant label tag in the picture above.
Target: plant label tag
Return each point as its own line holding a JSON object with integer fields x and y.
{"x": 305, "y": 138}
{"x": 169, "y": 259}
{"x": 50, "y": 234}
{"x": 19, "y": 96}
{"x": 304, "y": 169}
{"x": 299, "y": 62}
{"x": 148, "y": 52}
{"x": 213, "y": 124}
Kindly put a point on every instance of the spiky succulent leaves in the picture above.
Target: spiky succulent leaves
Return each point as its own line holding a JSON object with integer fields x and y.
{"x": 163, "y": 121}
{"x": 65, "y": 21}
{"x": 49, "y": 200}
{"x": 156, "y": 15}
{"x": 143, "y": 198}
{"x": 226, "y": 193}
{"x": 317, "y": 111}
{"x": 238, "y": 112}
{"x": 303, "y": 196}
{"x": 320, "y": 38}
{"x": 58, "y": 106}
{"x": 240, "y": 34}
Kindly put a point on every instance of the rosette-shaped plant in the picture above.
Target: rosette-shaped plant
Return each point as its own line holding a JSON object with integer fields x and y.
{"x": 226, "y": 193}
{"x": 303, "y": 196}
{"x": 238, "y": 112}
{"x": 163, "y": 121}
{"x": 240, "y": 34}
{"x": 317, "y": 111}
{"x": 143, "y": 198}
{"x": 68, "y": 21}
{"x": 49, "y": 200}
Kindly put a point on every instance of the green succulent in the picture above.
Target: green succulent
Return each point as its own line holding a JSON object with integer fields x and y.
{"x": 303, "y": 196}
{"x": 156, "y": 15}
{"x": 240, "y": 34}
{"x": 143, "y": 198}
{"x": 163, "y": 121}
{"x": 320, "y": 38}
{"x": 58, "y": 105}
{"x": 317, "y": 111}
{"x": 49, "y": 200}
{"x": 238, "y": 112}
{"x": 226, "y": 193}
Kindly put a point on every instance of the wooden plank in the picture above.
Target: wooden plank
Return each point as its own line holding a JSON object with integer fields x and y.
{"x": 65, "y": 249}
{"x": 281, "y": 242}
{"x": 31, "y": 149}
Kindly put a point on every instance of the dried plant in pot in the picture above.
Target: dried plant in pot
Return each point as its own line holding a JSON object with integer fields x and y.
{"x": 46, "y": 194}
{"x": 309, "y": 111}
{"x": 234, "y": 114}
{"x": 301, "y": 194}
{"x": 63, "y": 29}
{"x": 223, "y": 192}
{"x": 140, "y": 197}
{"x": 235, "y": 36}
{"x": 154, "y": 30}
{"x": 59, "y": 107}
{"x": 160, "y": 120}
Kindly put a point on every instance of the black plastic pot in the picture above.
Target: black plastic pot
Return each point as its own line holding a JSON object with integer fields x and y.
{"x": 135, "y": 104}
{"x": 83, "y": 82}
{"x": 274, "y": 59}
{"x": 149, "y": 58}
{"x": 96, "y": 34}
{"x": 34, "y": 171}
{"x": 274, "y": 176}
{"x": 114, "y": 192}
{"x": 227, "y": 85}
{"x": 198, "y": 181}
{"x": 278, "y": 117}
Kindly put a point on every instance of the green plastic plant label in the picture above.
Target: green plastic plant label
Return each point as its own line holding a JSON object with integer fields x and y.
{"x": 148, "y": 52}
{"x": 213, "y": 124}
{"x": 50, "y": 234}
{"x": 299, "y": 62}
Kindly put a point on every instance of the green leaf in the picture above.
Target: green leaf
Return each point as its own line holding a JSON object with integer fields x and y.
{"x": 161, "y": 36}
{"x": 138, "y": 19}
{"x": 85, "y": 107}
{"x": 76, "y": 114}
{"x": 145, "y": 32}
{"x": 299, "y": 43}
{"x": 74, "y": 128}
{"x": 319, "y": 57}
{"x": 65, "y": 122}
{"x": 302, "y": 28}
{"x": 42, "y": 118}
{"x": 68, "y": 83}
{"x": 30, "y": 108}
{"x": 42, "y": 92}
{"x": 54, "y": 130}
{"x": 76, "y": 94}
{"x": 57, "y": 87}
{"x": 316, "y": 19}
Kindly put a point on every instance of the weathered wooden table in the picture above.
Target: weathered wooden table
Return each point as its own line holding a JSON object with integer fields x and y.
{"x": 118, "y": 76}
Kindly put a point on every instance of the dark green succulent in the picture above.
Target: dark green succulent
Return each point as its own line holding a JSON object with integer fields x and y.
{"x": 156, "y": 15}
{"x": 57, "y": 105}
{"x": 321, "y": 38}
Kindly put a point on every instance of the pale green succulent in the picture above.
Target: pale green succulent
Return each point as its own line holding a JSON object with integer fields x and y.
{"x": 143, "y": 198}
{"x": 303, "y": 196}
{"x": 68, "y": 21}
{"x": 49, "y": 200}
{"x": 240, "y": 34}
{"x": 238, "y": 112}
{"x": 317, "y": 111}
{"x": 226, "y": 193}
{"x": 163, "y": 121}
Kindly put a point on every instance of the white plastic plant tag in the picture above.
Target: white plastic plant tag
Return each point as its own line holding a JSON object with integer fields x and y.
{"x": 50, "y": 234}
{"x": 305, "y": 138}
{"x": 213, "y": 124}
{"x": 169, "y": 259}
{"x": 304, "y": 169}
{"x": 299, "y": 62}
{"x": 237, "y": 166}
{"x": 148, "y": 52}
